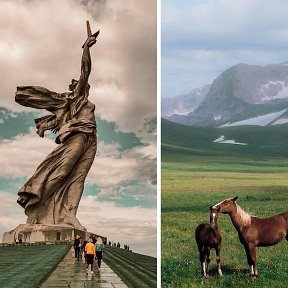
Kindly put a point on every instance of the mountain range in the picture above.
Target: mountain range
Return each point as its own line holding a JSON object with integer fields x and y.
{"x": 242, "y": 95}
{"x": 185, "y": 103}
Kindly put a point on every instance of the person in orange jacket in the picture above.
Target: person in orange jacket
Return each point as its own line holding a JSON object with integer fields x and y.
{"x": 90, "y": 254}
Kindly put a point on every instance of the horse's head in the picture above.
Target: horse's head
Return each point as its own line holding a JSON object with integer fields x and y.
{"x": 226, "y": 206}
{"x": 214, "y": 215}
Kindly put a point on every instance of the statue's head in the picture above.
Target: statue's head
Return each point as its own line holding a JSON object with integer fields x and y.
{"x": 73, "y": 84}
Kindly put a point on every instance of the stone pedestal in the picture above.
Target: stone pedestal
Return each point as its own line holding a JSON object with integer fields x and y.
{"x": 31, "y": 233}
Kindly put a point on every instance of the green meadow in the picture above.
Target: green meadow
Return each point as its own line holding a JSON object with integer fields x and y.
{"x": 197, "y": 176}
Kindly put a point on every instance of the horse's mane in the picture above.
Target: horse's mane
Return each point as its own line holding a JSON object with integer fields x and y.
{"x": 245, "y": 217}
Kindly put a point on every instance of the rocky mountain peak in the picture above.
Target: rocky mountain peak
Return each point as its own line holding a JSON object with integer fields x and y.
{"x": 241, "y": 91}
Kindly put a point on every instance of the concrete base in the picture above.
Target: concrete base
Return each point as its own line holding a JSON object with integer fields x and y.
{"x": 42, "y": 233}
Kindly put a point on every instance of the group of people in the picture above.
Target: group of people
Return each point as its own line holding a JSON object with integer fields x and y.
{"x": 18, "y": 241}
{"x": 126, "y": 247}
{"x": 91, "y": 250}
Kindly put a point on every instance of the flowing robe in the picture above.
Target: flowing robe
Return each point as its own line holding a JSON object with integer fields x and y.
{"x": 53, "y": 193}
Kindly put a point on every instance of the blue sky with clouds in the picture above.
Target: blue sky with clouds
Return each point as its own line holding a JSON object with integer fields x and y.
{"x": 119, "y": 200}
{"x": 202, "y": 38}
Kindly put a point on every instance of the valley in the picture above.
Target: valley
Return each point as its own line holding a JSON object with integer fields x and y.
{"x": 197, "y": 173}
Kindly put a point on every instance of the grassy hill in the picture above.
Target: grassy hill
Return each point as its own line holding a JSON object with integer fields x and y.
{"x": 197, "y": 173}
{"x": 135, "y": 270}
{"x": 180, "y": 139}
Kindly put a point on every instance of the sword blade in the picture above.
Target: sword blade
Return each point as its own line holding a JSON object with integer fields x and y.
{"x": 89, "y": 33}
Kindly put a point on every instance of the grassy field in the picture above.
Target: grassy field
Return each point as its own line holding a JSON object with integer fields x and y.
{"x": 29, "y": 266}
{"x": 191, "y": 182}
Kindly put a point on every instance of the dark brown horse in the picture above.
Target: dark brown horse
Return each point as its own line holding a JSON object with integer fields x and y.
{"x": 254, "y": 231}
{"x": 208, "y": 237}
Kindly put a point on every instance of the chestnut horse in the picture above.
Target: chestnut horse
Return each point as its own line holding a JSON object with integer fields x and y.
{"x": 208, "y": 237}
{"x": 254, "y": 231}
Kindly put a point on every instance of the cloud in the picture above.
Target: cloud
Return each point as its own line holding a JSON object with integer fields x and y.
{"x": 21, "y": 156}
{"x": 11, "y": 214}
{"x": 128, "y": 226}
{"x": 109, "y": 168}
{"x": 47, "y": 53}
{"x": 127, "y": 72}
{"x": 217, "y": 35}
{"x": 206, "y": 23}
{"x": 35, "y": 58}
{"x": 146, "y": 159}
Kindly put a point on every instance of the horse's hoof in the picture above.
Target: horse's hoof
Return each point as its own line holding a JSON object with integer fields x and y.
{"x": 206, "y": 276}
{"x": 254, "y": 277}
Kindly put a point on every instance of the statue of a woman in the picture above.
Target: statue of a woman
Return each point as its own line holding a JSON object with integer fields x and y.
{"x": 52, "y": 195}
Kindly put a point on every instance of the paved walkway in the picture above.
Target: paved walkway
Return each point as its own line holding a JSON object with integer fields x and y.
{"x": 72, "y": 274}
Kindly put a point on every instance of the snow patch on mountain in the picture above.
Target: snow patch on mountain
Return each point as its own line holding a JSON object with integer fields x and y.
{"x": 262, "y": 120}
{"x": 280, "y": 121}
{"x": 217, "y": 117}
{"x": 221, "y": 140}
{"x": 232, "y": 142}
{"x": 180, "y": 111}
{"x": 274, "y": 90}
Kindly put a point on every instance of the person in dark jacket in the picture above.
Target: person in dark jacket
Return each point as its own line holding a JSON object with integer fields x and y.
{"x": 77, "y": 247}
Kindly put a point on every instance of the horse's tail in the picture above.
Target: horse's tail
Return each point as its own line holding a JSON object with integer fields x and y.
{"x": 200, "y": 235}
{"x": 197, "y": 237}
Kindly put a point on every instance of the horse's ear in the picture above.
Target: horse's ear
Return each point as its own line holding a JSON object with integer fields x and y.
{"x": 210, "y": 208}
{"x": 218, "y": 209}
{"x": 235, "y": 198}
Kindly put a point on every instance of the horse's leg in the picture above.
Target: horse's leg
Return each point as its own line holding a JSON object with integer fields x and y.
{"x": 201, "y": 256}
{"x": 218, "y": 260}
{"x": 208, "y": 260}
{"x": 249, "y": 260}
{"x": 203, "y": 262}
{"x": 251, "y": 257}
{"x": 204, "y": 267}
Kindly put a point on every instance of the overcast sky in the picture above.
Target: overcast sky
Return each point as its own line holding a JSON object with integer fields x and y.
{"x": 202, "y": 38}
{"x": 40, "y": 44}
